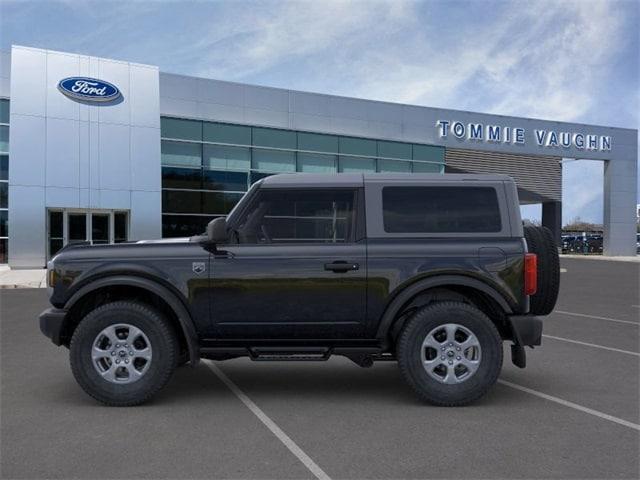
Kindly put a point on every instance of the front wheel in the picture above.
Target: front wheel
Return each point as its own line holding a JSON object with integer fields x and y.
{"x": 122, "y": 353}
{"x": 450, "y": 353}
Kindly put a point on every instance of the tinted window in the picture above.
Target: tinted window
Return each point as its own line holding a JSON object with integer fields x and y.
{"x": 318, "y": 216}
{"x": 317, "y": 143}
{"x": 4, "y": 111}
{"x": 440, "y": 209}
{"x": 255, "y": 176}
{"x": 4, "y": 221}
{"x": 420, "y": 167}
{"x": 4, "y": 138}
{"x": 190, "y": 178}
{"x": 221, "y": 180}
{"x": 178, "y": 201}
{"x": 177, "y": 128}
{"x": 184, "y": 225}
{"x": 4, "y": 167}
{"x": 120, "y": 227}
{"x": 224, "y": 133}
{"x": 4, "y": 253}
{"x": 274, "y": 160}
{"x": 271, "y": 137}
{"x": 4, "y": 195}
{"x": 357, "y": 164}
{"x": 316, "y": 163}
{"x": 233, "y": 158}
{"x": 358, "y": 146}
{"x": 394, "y": 150}
{"x": 180, "y": 153}
{"x": 393, "y": 166}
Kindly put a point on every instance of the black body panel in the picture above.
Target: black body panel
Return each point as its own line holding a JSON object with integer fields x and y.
{"x": 238, "y": 299}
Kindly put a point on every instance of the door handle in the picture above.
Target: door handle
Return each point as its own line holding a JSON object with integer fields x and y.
{"x": 340, "y": 266}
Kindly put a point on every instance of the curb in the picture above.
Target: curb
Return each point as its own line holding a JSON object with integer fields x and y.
{"x": 13, "y": 286}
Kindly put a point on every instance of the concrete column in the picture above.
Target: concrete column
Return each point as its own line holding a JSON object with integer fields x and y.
{"x": 620, "y": 199}
{"x": 552, "y": 218}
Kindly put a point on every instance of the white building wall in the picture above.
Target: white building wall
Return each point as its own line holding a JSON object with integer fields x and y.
{"x": 70, "y": 154}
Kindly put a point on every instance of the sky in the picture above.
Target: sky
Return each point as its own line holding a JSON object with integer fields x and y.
{"x": 557, "y": 60}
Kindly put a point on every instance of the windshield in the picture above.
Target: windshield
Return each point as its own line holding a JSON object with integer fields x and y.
{"x": 234, "y": 210}
{"x": 243, "y": 200}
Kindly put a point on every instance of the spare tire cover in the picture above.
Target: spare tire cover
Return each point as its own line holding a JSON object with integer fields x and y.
{"x": 541, "y": 242}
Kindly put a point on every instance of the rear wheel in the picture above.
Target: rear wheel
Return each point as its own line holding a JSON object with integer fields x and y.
{"x": 122, "y": 353}
{"x": 541, "y": 242}
{"x": 450, "y": 353}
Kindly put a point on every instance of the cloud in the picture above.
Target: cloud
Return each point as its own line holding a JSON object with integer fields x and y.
{"x": 569, "y": 60}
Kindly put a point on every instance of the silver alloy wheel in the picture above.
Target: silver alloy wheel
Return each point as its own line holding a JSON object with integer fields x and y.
{"x": 121, "y": 353}
{"x": 451, "y": 353}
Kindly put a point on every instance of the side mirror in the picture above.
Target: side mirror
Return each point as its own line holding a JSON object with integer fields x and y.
{"x": 217, "y": 230}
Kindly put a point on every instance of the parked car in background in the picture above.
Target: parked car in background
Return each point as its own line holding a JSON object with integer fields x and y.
{"x": 579, "y": 243}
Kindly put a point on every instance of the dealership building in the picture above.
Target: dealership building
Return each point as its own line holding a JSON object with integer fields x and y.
{"x": 102, "y": 150}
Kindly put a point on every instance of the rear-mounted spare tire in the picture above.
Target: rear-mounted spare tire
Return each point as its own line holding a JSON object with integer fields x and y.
{"x": 541, "y": 242}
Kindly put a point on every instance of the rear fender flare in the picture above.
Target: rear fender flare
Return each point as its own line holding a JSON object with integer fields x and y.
{"x": 395, "y": 305}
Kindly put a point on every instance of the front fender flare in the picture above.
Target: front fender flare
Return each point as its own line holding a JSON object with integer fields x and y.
{"x": 414, "y": 289}
{"x": 174, "y": 302}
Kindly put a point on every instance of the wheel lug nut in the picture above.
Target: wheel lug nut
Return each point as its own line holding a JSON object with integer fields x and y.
{"x": 130, "y": 352}
{"x": 458, "y": 348}
{"x": 126, "y": 360}
{"x": 117, "y": 345}
{"x": 442, "y": 358}
{"x": 113, "y": 353}
{"x": 457, "y": 358}
{"x": 442, "y": 348}
{"x": 450, "y": 362}
{"x": 117, "y": 361}
{"x": 451, "y": 344}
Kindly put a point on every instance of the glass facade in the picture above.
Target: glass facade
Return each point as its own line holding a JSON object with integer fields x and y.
{"x": 207, "y": 166}
{"x": 4, "y": 180}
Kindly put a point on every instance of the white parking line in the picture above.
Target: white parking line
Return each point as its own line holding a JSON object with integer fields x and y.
{"x": 270, "y": 424}
{"x": 609, "y": 319}
{"x": 591, "y": 345}
{"x": 575, "y": 406}
{"x": 563, "y": 270}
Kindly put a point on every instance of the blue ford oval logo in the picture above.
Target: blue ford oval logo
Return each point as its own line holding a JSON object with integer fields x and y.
{"x": 89, "y": 89}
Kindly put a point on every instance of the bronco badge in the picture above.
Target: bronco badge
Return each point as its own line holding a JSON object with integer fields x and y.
{"x": 198, "y": 267}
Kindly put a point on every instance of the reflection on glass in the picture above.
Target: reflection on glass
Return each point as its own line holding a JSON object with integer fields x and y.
{"x": 120, "y": 227}
{"x": 100, "y": 228}
{"x": 77, "y": 225}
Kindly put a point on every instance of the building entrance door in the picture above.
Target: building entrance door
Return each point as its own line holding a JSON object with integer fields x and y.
{"x": 93, "y": 226}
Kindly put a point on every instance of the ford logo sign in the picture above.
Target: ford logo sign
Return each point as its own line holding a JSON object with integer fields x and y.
{"x": 89, "y": 89}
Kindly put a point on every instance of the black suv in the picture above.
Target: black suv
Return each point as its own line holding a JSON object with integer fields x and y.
{"x": 433, "y": 271}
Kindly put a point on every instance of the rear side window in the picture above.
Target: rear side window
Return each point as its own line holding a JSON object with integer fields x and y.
{"x": 440, "y": 210}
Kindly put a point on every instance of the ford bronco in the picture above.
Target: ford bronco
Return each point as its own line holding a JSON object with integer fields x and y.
{"x": 431, "y": 271}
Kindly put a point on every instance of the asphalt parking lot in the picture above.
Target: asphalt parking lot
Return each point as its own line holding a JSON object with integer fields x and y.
{"x": 572, "y": 413}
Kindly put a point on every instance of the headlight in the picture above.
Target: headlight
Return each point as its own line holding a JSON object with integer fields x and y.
{"x": 52, "y": 275}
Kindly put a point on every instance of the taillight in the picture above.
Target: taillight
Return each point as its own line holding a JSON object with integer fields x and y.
{"x": 530, "y": 273}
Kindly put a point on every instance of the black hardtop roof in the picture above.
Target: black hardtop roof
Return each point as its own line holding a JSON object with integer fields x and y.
{"x": 358, "y": 179}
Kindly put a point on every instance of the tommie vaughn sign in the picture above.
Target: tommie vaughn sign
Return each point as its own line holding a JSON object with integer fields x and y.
{"x": 88, "y": 89}
{"x": 479, "y": 132}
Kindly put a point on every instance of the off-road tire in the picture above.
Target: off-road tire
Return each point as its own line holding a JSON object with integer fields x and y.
{"x": 541, "y": 242}
{"x": 164, "y": 344}
{"x": 409, "y": 346}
